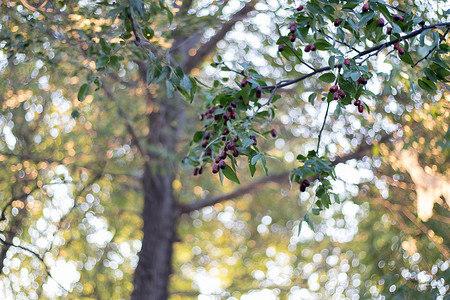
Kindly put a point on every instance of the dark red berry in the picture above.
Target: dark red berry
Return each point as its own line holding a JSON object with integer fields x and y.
{"x": 235, "y": 153}
{"x": 226, "y": 116}
{"x": 200, "y": 171}
{"x": 208, "y": 116}
{"x": 308, "y": 48}
{"x": 207, "y": 135}
{"x": 336, "y": 96}
{"x": 233, "y": 115}
{"x": 401, "y": 51}
{"x": 307, "y": 25}
{"x": 334, "y": 89}
{"x": 337, "y": 22}
{"x": 292, "y": 38}
{"x": 243, "y": 82}
{"x": 273, "y": 133}
{"x": 300, "y": 8}
{"x": 215, "y": 169}
{"x": 258, "y": 92}
{"x": 401, "y": 19}
{"x": 280, "y": 48}
{"x": 202, "y": 116}
{"x": 357, "y": 102}
{"x": 293, "y": 23}
{"x": 302, "y": 188}
{"x": 254, "y": 139}
{"x": 204, "y": 143}
{"x": 360, "y": 108}
{"x": 293, "y": 29}
{"x": 235, "y": 138}
{"x": 218, "y": 159}
{"x": 396, "y": 46}
{"x": 195, "y": 171}
{"x": 380, "y": 22}
{"x": 396, "y": 17}
{"x": 341, "y": 94}
{"x": 230, "y": 108}
{"x": 216, "y": 117}
{"x": 366, "y": 7}
{"x": 389, "y": 30}
{"x": 212, "y": 109}
{"x": 362, "y": 81}
{"x": 234, "y": 104}
{"x": 225, "y": 131}
{"x": 422, "y": 23}
{"x": 306, "y": 182}
{"x": 208, "y": 151}
{"x": 313, "y": 47}
{"x": 222, "y": 165}
{"x": 347, "y": 62}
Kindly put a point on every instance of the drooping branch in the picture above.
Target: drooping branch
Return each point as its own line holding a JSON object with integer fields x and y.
{"x": 206, "y": 48}
{"x": 278, "y": 178}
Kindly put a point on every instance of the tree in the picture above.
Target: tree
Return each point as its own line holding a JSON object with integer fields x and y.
{"x": 123, "y": 140}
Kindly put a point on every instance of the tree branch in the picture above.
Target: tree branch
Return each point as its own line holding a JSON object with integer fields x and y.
{"x": 206, "y": 48}
{"x": 278, "y": 178}
{"x": 359, "y": 55}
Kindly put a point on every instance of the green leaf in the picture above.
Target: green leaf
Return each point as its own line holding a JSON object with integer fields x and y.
{"x": 185, "y": 83}
{"x": 328, "y": 77}
{"x": 114, "y": 62}
{"x": 169, "y": 88}
{"x": 102, "y": 61}
{"x": 84, "y": 90}
{"x": 164, "y": 72}
{"x": 366, "y": 18}
{"x": 407, "y": 58}
{"x": 256, "y": 158}
{"x": 322, "y": 44}
{"x": 198, "y": 136}
{"x": 251, "y": 167}
{"x": 427, "y": 85}
{"x": 311, "y": 98}
{"x": 308, "y": 221}
{"x": 230, "y": 174}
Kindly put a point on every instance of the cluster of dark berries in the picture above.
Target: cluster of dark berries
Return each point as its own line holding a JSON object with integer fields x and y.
{"x": 310, "y": 48}
{"x": 305, "y": 183}
{"x": 359, "y": 105}
{"x": 337, "y": 93}
{"x": 399, "y": 49}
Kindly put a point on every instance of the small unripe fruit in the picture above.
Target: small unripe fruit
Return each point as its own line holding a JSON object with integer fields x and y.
{"x": 347, "y": 62}
{"x": 215, "y": 169}
{"x": 337, "y": 22}
{"x": 401, "y": 51}
{"x": 280, "y": 48}
{"x": 389, "y": 30}
{"x": 308, "y": 48}
{"x": 222, "y": 165}
{"x": 341, "y": 94}
{"x": 334, "y": 89}
{"x": 300, "y": 8}
{"x": 313, "y": 47}
{"x": 396, "y": 46}
{"x": 292, "y": 38}
{"x": 336, "y": 96}
{"x": 380, "y": 22}
{"x": 273, "y": 133}
{"x": 357, "y": 102}
{"x": 204, "y": 143}
{"x": 366, "y": 7}
{"x": 360, "y": 109}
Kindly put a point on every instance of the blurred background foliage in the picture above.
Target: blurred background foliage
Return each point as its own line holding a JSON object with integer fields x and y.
{"x": 70, "y": 188}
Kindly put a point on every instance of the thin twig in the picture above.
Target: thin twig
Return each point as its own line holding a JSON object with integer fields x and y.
{"x": 293, "y": 50}
{"x": 38, "y": 256}
{"x": 321, "y": 129}
{"x": 266, "y": 103}
{"x": 230, "y": 69}
{"x": 338, "y": 41}
{"x": 393, "y": 7}
{"x": 432, "y": 49}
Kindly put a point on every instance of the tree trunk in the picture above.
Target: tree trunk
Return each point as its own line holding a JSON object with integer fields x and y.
{"x": 152, "y": 274}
